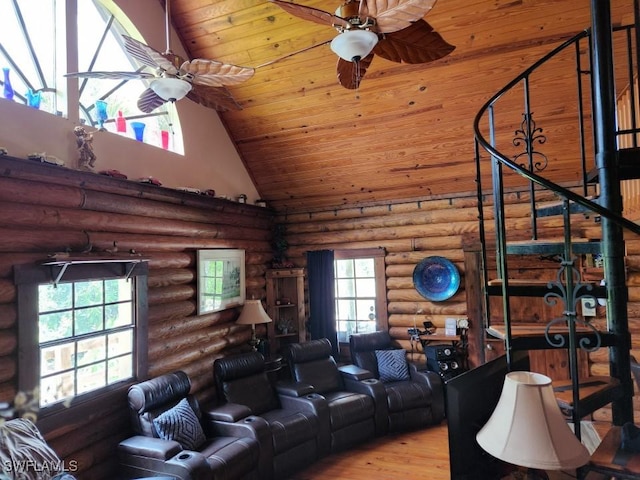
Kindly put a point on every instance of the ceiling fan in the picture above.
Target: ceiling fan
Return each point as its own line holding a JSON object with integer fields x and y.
{"x": 203, "y": 81}
{"x": 391, "y": 29}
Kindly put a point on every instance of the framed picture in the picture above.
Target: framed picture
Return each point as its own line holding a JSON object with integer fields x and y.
{"x": 220, "y": 279}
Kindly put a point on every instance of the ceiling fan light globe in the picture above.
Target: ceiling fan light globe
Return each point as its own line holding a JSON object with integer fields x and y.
{"x": 353, "y": 45}
{"x": 170, "y": 89}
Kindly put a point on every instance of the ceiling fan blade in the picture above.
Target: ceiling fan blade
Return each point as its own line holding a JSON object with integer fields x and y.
{"x": 149, "y": 101}
{"x": 394, "y": 15}
{"x": 418, "y": 43}
{"x": 218, "y": 98}
{"x": 350, "y": 73}
{"x": 111, "y": 75}
{"x": 148, "y": 56}
{"x": 215, "y": 74}
{"x": 312, "y": 14}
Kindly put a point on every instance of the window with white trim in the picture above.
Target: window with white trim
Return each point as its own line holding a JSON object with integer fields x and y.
{"x": 360, "y": 292}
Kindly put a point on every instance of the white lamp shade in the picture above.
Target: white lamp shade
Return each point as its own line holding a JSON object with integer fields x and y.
{"x": 170, "y": 89}
{"x": 528, "y": 429}
{"x": 253, "y": 313}
{"x": 353, "y": 45}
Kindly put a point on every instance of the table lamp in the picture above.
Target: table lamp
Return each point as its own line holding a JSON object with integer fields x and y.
{"x": 528, "y": 429}
{"x": 252, "y": 314}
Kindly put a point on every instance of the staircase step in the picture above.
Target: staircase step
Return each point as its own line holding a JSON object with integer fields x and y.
{"x": 539, "y": 288}
{"x": 531, "y": 336}
{"x": 547, "y": 247}
{"x": 557, "y": 208}
{"x": 594, "y": 393}
{"x": 628, "y": 161}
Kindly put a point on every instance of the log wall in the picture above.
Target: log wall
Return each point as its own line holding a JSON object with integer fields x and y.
{"x": 414, "y": 230}
{"x": 46, "y": 209}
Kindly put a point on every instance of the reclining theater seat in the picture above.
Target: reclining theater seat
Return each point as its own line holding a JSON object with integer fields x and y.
{"x": 286, "y": 424}
{"x": 170, "y": 440}
{"x": 357, "y": 406}
{"x": 415, "y": 398}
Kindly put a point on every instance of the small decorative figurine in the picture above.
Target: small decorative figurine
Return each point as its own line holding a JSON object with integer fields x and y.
{"x": 84, "y": 141}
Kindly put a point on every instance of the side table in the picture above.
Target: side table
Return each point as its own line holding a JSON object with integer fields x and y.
{"x": 611, "y": 461}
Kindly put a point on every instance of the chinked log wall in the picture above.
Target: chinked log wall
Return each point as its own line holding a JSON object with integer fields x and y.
{"x": 413, "y": 230}
{"x": 45, "y": 209}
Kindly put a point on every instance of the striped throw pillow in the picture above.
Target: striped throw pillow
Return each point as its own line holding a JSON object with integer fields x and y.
{"x": 392, "y": 365}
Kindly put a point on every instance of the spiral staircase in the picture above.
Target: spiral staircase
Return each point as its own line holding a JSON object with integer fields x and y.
{"x": 570, "y": 223}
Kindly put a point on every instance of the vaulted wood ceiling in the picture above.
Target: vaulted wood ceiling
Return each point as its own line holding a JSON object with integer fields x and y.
{"x": 311, "y": 144}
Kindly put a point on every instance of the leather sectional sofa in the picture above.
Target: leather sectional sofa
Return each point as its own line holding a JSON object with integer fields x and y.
{"x": 260, "y": 429}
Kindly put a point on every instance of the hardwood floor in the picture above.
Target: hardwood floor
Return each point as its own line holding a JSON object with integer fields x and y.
{"x": 419, "y": 455}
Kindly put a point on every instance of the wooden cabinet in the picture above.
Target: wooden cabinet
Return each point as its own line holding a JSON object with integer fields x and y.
{"x": 285, "y": 306}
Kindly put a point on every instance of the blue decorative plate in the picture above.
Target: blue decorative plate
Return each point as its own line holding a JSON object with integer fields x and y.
{"x": 436, "y": 278}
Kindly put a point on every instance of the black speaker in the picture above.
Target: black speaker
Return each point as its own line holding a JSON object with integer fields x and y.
{"x": 444, "y": 359}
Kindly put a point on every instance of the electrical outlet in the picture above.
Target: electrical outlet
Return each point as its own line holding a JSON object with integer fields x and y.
{"x": 588, "y": 307}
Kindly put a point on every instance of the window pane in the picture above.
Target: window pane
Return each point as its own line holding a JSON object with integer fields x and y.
{"x": 54, "y": 298}
{"x": 120, "y": 343}
{"x": 366, "y": 287}
{"x": 92, "y": 377}
{"x": 56, "y": 388}
{"x": 57, "y": 359}
{"x": 54, "y": 326}
{"x": 118, "y": 315}
{"x": 88, "y": 320}
{"x": 117, "y": 290}
{"x": 120, "y": 369}
{"x": 344, "y": 268}
{"x": 364, "y": 267}
{"x": 88, "y": 293}
{"x": 346, "y": 287}
{"x": 91, "y": 350}
{"x": 346, "y": 310}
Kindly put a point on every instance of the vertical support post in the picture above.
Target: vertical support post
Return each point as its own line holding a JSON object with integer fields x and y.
{"x": 604, "y": 116}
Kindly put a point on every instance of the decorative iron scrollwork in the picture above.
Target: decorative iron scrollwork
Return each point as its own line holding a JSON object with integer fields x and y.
{"x": 568, "y": 289}
{"x": 528, "y": 134}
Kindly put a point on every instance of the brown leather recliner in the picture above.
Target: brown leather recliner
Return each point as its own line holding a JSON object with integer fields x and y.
{"x": 356, "y": 402}
{"x": 162, "y": 407}
{"x": 416, "y": 400}
{"x": 286, "y": 421}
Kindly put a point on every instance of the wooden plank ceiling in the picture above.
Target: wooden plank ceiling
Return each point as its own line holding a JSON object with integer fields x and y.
{"x": 311, "y": 144}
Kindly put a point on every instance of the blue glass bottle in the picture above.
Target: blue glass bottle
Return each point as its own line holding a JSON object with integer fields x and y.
{"x": 7, "y": 90}
{"x": 101, "y": 114}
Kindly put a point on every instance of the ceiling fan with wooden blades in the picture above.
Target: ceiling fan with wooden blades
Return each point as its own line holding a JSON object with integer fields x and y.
{"x": 391, "y": 29}
{"x": 200, "y": 80}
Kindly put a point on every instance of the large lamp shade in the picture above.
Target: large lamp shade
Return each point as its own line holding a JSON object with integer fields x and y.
{"x": 528, "y": 429}
{"x": 253, "y": 313}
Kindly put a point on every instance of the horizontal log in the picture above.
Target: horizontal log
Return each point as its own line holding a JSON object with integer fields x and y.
{"x": 171, "y": 294}
{"x": 8, "y": 291}
{"x": 39, "y": 193}
{"x": 8, "y": 315}
{"x": 146, "y": 244}
{"x": 174, "y": 344}
{"x": 108, "y": 202}
{"x": 408, "y": 321}
{"x": 412, "y": 295}
{"x": 170, "y": 363}
{"x": 8, "y": 368}
{"x": 160, "y": 260}
{"x": 164, "y": 277}
{"x": 455, "y": 256}
{"x": 17, "y": 215}
{"x": 171, "y": 311}
{"x": 8, "y": 260}
{"x": 428, "y": 308}
{"x": 55, "y": 240}
{"x": 159, "y": 330}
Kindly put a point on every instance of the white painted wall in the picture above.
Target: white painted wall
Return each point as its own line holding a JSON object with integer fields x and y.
{"x": 210, "y": 160}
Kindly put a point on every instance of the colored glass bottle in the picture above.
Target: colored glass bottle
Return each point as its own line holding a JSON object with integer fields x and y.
{"x": 121, "y": 123}
{"x": 101, "y": 113}
{"x": 7, "y": 90}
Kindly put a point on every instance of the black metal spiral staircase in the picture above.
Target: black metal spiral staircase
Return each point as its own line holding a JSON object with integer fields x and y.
{"x": 611, "y": 165}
